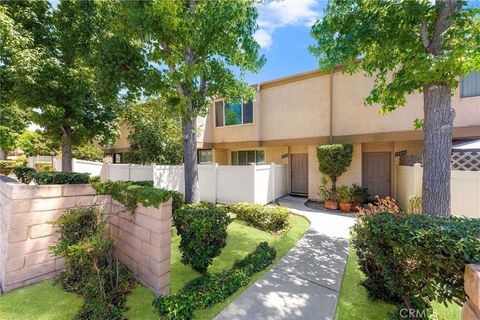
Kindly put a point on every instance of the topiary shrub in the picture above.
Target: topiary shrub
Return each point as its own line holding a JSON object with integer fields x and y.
{"x": 209, "y": 289}
{"x": 24, "y": 174}
{"x": 91, "y": 268}
{"x": 334, "y": 160}
{"x": 416, "y": 259}
{"x": 6, "y": 167}
{"x": 203, "y": 231}
{"x": 43, "y": 166}
{"x": 52, "y": 177}
{"x": 270, "y": 219}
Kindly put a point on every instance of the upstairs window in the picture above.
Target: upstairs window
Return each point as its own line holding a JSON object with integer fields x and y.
{"x": 470, "y": 85}
{"x": 231, "y": 114}
{"x": 243, "y": 158}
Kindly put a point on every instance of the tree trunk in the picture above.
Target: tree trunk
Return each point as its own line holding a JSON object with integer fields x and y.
{"x": 438, "y": 125}
{"x": 67, "y": 149}
{"x": 189, "y": 132}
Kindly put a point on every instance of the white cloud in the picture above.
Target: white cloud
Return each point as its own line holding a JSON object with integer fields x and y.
{"x": 280, "y": 13}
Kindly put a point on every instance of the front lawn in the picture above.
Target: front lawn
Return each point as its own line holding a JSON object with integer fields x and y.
{"x": 43, "y": 301}
{"x": 355, "y": 304}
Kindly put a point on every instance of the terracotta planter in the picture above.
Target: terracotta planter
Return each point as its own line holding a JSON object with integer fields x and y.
{"x": 355, "y": 206}
{"x": 345, "y": 206}
{"x": 331, "y": 204}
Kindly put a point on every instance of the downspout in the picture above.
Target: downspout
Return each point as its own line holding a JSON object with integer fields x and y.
{"x": 330, "y": 137}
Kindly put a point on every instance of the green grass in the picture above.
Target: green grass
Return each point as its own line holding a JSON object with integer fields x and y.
{"x": 45, "y": 302}
{"x": 40, "y": 301}
{"x": 355, "y": 304}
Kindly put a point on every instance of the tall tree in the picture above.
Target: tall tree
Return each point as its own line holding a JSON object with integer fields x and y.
{"x": 155, "y": 133}
{"x": 62, "y": 76}
{"x": 193, "y": 48}
{"x": 407, "y": 46}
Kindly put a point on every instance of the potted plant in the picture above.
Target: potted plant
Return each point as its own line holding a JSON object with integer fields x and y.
{"x": 327, "y": 195}
{"x": 359, "y": 196}
{"x": 345, "y": 197}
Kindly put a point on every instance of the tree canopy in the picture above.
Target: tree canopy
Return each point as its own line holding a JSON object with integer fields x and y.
{"x": 195, "y": 50}
{"x": 155, "y": 133}
{"x": 35, "y": 143}
{"x": 61, "y": 72}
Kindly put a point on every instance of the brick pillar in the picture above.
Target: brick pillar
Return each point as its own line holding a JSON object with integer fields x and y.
{"x": 471, "y": 308}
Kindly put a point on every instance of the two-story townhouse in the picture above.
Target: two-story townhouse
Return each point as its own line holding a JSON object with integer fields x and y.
{"x": 291, "y": 116}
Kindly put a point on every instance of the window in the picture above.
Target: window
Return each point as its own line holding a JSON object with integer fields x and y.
{"x": 205, "y": 156}
{"x": 243, "y": 158}
{"x": 470, "y": 85}
{"x": 230, "y": 114}
{"x": 117, "y": 158}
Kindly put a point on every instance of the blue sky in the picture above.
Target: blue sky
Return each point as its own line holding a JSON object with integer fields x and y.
{"x": 284, "y": 35}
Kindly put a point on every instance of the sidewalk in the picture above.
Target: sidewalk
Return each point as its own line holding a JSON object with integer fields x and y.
{"x": 305, "y": 283}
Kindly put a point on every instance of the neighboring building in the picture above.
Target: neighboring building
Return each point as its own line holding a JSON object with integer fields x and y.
{"x": 291, "y": 116}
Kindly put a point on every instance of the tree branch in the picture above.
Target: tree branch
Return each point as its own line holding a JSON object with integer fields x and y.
{"x": 424, "y": 35}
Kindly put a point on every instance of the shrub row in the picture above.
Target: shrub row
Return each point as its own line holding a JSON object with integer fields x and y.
{"x": 24, "y": 174}
{"x": 203, "y": 231}
{"x": 6, "y": 167}
{"x": 133, "y": 193}
{"x": 416, "y": 259}
{"x": 53, "y": 177}
{"x": 270, "y": 219}
{"x": 209, "y": 289}
{"x": 91, "y": 268}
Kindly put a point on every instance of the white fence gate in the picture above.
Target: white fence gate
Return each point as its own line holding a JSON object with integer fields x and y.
{"x": 465, "y": 189}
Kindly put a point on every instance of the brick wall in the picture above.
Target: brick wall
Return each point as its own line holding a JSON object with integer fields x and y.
{"x": 143, "y": 239}
{"x": 471, "y": 308}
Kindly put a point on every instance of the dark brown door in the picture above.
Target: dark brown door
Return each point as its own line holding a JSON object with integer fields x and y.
{"x": 299, "y": 173}
{"x": 377, "y": 173}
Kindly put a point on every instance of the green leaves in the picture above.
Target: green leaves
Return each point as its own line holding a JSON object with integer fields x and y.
{"x": 334, "y": 159}
{"x": 395, "y": 43}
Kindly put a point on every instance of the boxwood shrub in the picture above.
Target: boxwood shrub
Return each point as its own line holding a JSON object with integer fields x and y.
{"x": 270, "y": 219}
{"x": 203, "y": 231}
{"x": 53, "y": 177}
{"x": 209, "y": 289}
{"x": 43, "y": 166}
{"x": 416, "y": 259}
{"x": 6, "y": 167}
{"x": 24, "y": 174}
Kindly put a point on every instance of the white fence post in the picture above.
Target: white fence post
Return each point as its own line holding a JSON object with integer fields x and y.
{"x": 129, "y": 172}
{"x": 215, "y": 173}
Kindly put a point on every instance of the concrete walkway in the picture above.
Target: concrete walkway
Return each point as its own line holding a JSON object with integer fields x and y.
{"x": 305, "y": 283}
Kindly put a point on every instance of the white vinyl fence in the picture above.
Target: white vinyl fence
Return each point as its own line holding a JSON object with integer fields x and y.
{"x": 225, "y": 184}
{"x": 465, "y": 189}
{"x": 229, "y": 184}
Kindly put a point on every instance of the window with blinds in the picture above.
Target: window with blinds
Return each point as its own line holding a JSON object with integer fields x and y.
{"x": 470, "y": 85}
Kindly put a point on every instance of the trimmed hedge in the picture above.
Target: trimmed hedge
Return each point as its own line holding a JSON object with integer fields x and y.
{"x": 133, "y": 193}
{"x": 209, "y": 289}
{"x": 6, "y": 167}
{"x": 203, "y": 231}
{"x": 53, "y": 177}
{"x": 270, "y": 219}
{"x": 24, "y": 174}
{"x": 416, "y": 259}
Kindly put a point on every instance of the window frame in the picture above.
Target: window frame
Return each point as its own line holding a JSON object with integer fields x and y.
{"x": 198, "y": 156}
{"x": 224, "y": 103}
{"x": 237, "y": 152}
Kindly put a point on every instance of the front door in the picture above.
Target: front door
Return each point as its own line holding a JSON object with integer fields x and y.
{"x": 377, "y": 173}
{"x": 299, "y": 173}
